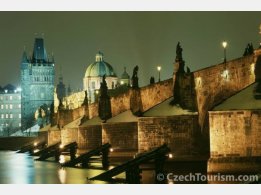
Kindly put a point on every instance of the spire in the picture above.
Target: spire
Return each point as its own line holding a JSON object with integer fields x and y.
{"x": 24, "y": 57}
{"x": 39, "y": 53}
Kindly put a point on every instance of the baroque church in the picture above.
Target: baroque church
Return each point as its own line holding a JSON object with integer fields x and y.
{"x": 37, "y": 83}
{"x": 93, "y": 76}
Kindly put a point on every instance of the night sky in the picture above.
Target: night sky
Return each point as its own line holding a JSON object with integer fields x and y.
{"x": 127, "y": 39}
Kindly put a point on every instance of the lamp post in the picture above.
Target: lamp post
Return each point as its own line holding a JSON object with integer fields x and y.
{"x": 159, "y": 69}
{"x": 224, "y": 44}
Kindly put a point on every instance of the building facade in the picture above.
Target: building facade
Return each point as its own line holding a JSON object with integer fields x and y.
{"x": 10, "y": 110}
{"x": 37, "y": 83}
{"x": 93, "y": 76}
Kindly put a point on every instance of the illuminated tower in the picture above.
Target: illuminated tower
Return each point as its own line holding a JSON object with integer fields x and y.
{"x": 37, "y": 83}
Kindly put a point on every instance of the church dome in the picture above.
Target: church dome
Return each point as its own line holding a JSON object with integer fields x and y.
{"x": 125, "y": 75}
{"x": 100, "y": 68}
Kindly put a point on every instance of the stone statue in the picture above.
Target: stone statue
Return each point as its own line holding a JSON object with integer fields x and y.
{"x": 152, "y": 80}
{"x": 188, "y": 69}
{"x": 104, "y": 101}
{"x": 178, "y": 52}
{"x": 135, "y": 79}
{"x": 249, "y": 49}
{"x": 104, "y": 88}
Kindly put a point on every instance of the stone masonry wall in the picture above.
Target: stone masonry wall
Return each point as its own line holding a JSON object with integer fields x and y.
{"x": 93, "y": 110}
{"x": 89, "y": 137}
{"x": 154, "y": 94}
{"x": 235, "y": 133}
{"x": 121, "y": 136}
{"x": 120, "y": 103}
{"x": 216, "y": 83}
{"x": 69, "y": 135}
{"x": 179, "y": 132}
{"x": 54, "y": 136}
{"x": 67, "y": 116}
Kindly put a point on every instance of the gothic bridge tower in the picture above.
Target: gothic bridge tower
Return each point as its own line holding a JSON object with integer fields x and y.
{"x": 37, "y": 83}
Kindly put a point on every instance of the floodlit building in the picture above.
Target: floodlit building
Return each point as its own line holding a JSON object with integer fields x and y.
{"x": 10, "y": 110}
{"x": 37, "y": 83}
{"x": 93, "y": 76}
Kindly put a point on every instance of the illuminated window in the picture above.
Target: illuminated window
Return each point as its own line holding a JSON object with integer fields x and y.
{"x": 11, "y": 106}
{"x": 19, "y": 105}
{"x": 20, "y": 125}
{"x": 1, "y": 97}
{"x": 6, "y": 124}
{"x": 11, "y": 115}
{"x": 11, "y": 97}
{"x": 2, "y": 115}
{"x": 19, "y": 115}
{"x": 42, "y": 95}
{"x": 19, "y": 97}
{"x": 6, "y": 115}
{"x": 2, "y": 106}
{"x": 6, "y": 106}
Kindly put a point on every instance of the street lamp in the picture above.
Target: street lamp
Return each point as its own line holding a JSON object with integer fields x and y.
{"x": 159, "y": 69}
{"x": 224, "y": 44}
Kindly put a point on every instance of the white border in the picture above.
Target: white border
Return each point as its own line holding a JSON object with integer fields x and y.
{"x": 130, "y": 5}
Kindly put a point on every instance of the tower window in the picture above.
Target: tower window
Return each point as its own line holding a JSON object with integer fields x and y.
{"x": 2, "y": 116}
{"x": 42, "y": 95}
{"x": 93, "y": 84}
{"x": 6, "y": 106}
{"x": 19, "y": 105}
{"x": 2, "y": 106}
{"x": 6, "y": 115}
{"x": 11, "y": 115}
{"x": 19, "y": 115}
{"x": 11, "y": 106}
{"x": 11, "y": 97}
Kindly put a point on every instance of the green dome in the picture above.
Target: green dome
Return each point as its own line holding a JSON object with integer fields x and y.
{"x": 100, "y": 68}
{"x": 125, "y": 75}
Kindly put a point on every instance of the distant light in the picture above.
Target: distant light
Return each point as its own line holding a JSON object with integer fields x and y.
{"x": 122, "y": 82}
{"x": 62, "y": 159}
{"x": 35, "y": 143}
{"x": 97, "y": 92}
{"x": 253, "y": 68}
{"x": 61, "y": 146}
{"x": 225, "y": 74}
{"x": 18, "y": 89}
{"x": 224, "y": 44}
{"x": 111, "y": 150}
{"x": 198, "y": 82}
{"x": 6, "y": 91}
{"x": 170, "y": 155}
{"x": 36, "y": 150}
{"x": 15, "y": 91}
{"x": 158, "y": 68}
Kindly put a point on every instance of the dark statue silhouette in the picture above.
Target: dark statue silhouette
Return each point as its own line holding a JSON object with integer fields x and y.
{"x": 135, "y": 79}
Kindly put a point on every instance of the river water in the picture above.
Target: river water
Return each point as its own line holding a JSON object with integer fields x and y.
{"x": 19, "y": 168}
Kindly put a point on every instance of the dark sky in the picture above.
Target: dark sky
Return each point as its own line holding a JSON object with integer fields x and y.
{"x": 127, "y": 39}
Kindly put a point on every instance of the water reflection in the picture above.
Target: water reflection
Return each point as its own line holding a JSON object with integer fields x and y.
{"x": 23, "y": 169}
{"x": 62, "y": 175}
